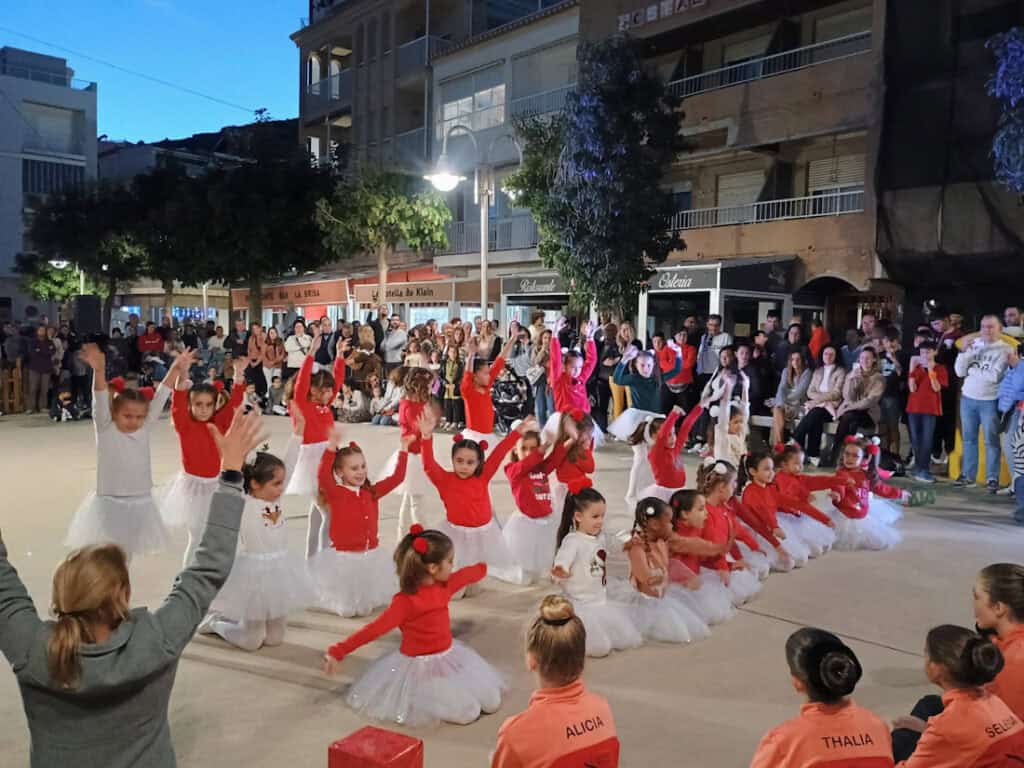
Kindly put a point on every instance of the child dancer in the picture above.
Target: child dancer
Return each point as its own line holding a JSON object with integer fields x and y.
{"x": 814, "y": 527}
{"x": 747, "y": 548}
{"x": 556, "y": 647}
{"x": 477, "y": 381}
{"x": 644, "y": 386}
{"x": 470, "y": 521}
{"x": 761, "y": 500}
{"x": 641, "y": 476}
{"x": 122, "y": 510}
{"x": 417, "y": 385}
{"x": 568, "y": 374}
{"x": 431, "y": 677}
{"x": 665, "y": 456}
{"x": 732, "y": 424}
{"x": 717, "y": 482}
{"x": 313, "y": 395}
{"x": 580, "y": 567}
{"x": 856, "y": 525}
{"x": 354, "y": 576}
{"x": 659, "y": 615}
{"x": 267, "y": 582}
{"x": 530, "y": 532}
{"x": 708, "y": 597}
{"x": 578, "y": 465}
{"x": 186, "y": 500}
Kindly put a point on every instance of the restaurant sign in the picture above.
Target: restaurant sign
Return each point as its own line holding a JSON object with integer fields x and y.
{"x": 655, "y": 11}
{"x": 684, "y": 279}
{"x": 532, "y": 285}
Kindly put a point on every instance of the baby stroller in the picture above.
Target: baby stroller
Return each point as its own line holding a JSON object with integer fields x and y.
{"x": 511, "y": 398}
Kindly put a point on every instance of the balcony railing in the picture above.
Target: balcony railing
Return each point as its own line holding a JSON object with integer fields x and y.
{"x": 414, "y": 55}
{"x": 60, "y": 79}
{"x": 331, "y": 93}
{"x": 776, "y": 64}
{"x": 832, "y": 204}
{"x": 506, "y": 234}
{"x": 410, "y": 147}
{"x": 541, "y": 103}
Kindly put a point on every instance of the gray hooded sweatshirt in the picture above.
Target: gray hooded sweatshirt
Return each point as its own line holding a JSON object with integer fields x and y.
{"x": 117, "y": 716}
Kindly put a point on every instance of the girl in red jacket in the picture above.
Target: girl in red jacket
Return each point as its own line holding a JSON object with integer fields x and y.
{"x": 470, "y": 521}
{"x": 716, "y": 480}
{"x": 530, "y": 532}
{"x": 578, "y": 464}
{"x": 657, "y": 612}
{"x": 568, "y": 373}
{"x": 186, "y": 501}
{"x": 761, "y": 501}
{"x": 856, "y": 526}
{"x": 354, "y": 576}
{"x": 477, "y": 381}
{"x": 709, "y": 597}
{"x": 313, "y": 393}
{"x": 431, "y": 677}
{"x": 794, "y": 493}
{"x": 666, "y": 454}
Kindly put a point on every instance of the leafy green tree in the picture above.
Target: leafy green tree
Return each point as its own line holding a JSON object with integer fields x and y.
{"x": 376, "y": 212}
{"x": 57, "y": 282}
{"x": 593, "y": 178}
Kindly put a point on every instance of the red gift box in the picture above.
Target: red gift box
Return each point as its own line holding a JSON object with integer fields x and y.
{"x": 371, "y": 747}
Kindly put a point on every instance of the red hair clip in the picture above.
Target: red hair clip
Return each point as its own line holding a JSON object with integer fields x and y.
{"x": 874, "y": 450}
{"x": 457, "y": 437}
{"x": 117, "y": 384}
{"x": 218, "y": 385}
{"x": 850, "y": 439}
{"x": 576, "y": 414}
{"x": 354, "y": 445}
{"x": 415, "y": 529}
{"x": 780, "y": 447}
{"x": 147, "y": 392}
{"x": 579, "y": 484}
{"x": 483, "y": 445}
{"x": 419, "y": 544}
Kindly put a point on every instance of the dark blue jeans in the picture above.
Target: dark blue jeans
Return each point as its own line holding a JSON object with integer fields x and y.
{"x": 1018, "y": 495}
{"x": 922, "y": 433}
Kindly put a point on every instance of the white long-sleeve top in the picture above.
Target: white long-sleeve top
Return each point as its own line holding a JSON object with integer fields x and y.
{"x": 982, "y": 366}
{"x": 584, "y": 557}
{"x": 123, "y": 466}
{"x": 262, "y": 530}
{"x": 297, "y": 347}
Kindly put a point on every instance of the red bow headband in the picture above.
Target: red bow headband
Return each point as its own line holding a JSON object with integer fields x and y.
{"x": 577, "y": 414}
{"x": 851, "y": 439}
{"x": 147, "y": 392}
{"x": 419, "y": 544}
{"x": 218, "y": 385}
{"x": 780, "y": 447}
{"x": 118, "y": 384}
{"x": 459, "y": 437}
{"x": 579, "y": 484}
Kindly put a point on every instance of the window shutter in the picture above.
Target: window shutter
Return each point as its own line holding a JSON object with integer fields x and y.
{"x": 844, "y": 171}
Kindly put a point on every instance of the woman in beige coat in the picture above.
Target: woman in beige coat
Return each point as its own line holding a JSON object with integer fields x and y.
{"x": 824, "y": 396}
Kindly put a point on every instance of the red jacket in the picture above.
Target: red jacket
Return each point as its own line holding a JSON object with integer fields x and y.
{"x": 479, "y": 408}
{"x": 422, "y": 617}
{"x": 761, "y": 502}
{"x": 689, "y": 365}
{"x": 409, "y": 412}
{"x": 528, "y": 479}
{"x": 150, "y": 342}
{"x": 355, "y": 515}
{"x": 319, "y": 418}
{"x": 733, "y": 507}
{"x": 199, "y": 453}
{"x": 666, "y": 466}
{"x": 855, "y": 500}
{"x": 691, "y": 561}
{"x": 753, "y": 521}
{"x": 819, "y": 340}
{"x": 467, "y": 502}
{"x": 570, "y": 472}
{"x": 794, "y": 494}
{"x": 569, "y": 393}
{"x": 717, "y": 528}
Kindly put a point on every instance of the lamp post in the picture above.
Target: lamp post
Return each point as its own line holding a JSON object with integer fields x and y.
{"x": 444, "y": 179}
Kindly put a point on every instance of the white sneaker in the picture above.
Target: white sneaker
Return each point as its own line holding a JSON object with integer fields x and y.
{"x": 206, "y": 625}
{"x": 814, "y": 460}
{"x": 1007, "y": 491}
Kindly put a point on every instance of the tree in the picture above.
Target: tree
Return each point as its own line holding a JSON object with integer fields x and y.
{"x": 90, "y": 227}
{"x": 603, "y": 216}
{"x": 377, "y": 211}
{"x": 57, "y": 282}
{"x": 1007, "y": 85}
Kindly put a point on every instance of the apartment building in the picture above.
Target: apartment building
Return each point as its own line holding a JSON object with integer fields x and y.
{"x": 775, "y": 195}
{"x": 47, "y": 142}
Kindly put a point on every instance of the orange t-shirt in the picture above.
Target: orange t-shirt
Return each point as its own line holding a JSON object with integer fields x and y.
{"x": 1009, "y": 684}
{"x": 974, "y": 730}
{"x": 557, "y": 722}
{"x": 835, "y": 735}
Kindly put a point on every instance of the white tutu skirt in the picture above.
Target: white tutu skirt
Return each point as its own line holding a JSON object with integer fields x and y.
{"x": 416, "y": 481}
{"x": 531, "y": 542}
{"x": 131, "y": 522}
{"x": 759, "y": 563}
{"x": 743, "y": 585}
{"x": 304, "y": 481}
{"x": 664, "y": 620}
{"x": 549, "y": 434}
{"x": 625, "y": 425}
{"x": 775, "y": 561}
{"x": 354, "y": 583}
{"x": 610, "y": 626}
{"x": 264, "y": 586}
{"x": 454, "y": 686}
{"x": 863, "y": 533}
{"x": 793, "y": 543}
{"x": 186, "y": 500}
{"x": 483, "y": 544}
{"x": 818, "y": 537}
{"x": 885, "y": 511}
{"x": 656, "y": 491}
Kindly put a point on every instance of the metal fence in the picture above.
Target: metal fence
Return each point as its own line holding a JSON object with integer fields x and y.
{"x": 541, "y": 103}
{"x": 506, "y": 234}
{"x": 831, "y": 204}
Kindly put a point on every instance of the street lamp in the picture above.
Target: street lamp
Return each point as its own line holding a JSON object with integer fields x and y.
{"x": 444, "y": 179}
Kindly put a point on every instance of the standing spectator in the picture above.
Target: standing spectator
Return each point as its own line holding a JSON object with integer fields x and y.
{"x": 712, "y": 343}
{"x": 868, "y": 321}
{"x": 608, "y": 357}
{"x": 489, "y": 343}
{"x": 166, "y": 328}
{"x": 451, "y": 379}
{"x": 254, "y": 353}
{"x": 134, "y": 327}
{"x": 893, "y": 365}
{"x": 788, "y": 403}
{"x": 851, "y": 349}
{"x": 773, "y": 332}
{"x": 824, "y": 396}
{"x": 392, "y": 347}
{"x": 1011, "y": 393}
{"x": 758, "y": 377}
{"x": 794, "y": 342}
{"x": 189, "y": 336}
{"x": 40, "y": 371}
{"x": 296, "y": 349}
{"x": 537, "y": 326}
{"x": 982, "y": 365}
{"x": 328, "y": 350}
{"x": 620, "y": 395}
{"x": 926, "y": 381}
{"x": 947, "y": 331}
{"x": 215, "y": 342}
{"x": 678, "y": 390}
{"x": 819, "y": 338}
{"x": 862, "y": 391}
{"x": 237, "y": 344}
{"x": 151, "y": 342}
{"x": 543, "y": 395}
{"x": 1012, "y": 322}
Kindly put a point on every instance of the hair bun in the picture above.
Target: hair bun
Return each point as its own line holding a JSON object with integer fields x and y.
{"x": 556, "y": 610}
{"x": 982, "y": 660}
{"x": 839, "y": 672}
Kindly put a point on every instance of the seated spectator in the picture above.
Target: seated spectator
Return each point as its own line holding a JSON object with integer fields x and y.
{"x": 759, "y": 376}
{"x": 862, "y": 390}
{"x": 387, "y": 413}
{"x": 276, "y": 397}
{"x": 64, "y": 407}
{"x": 794, "y": 342}
{"x": 377, "y": 403}
{"x": 824, "y": 396}
{"x": 353, "y": 407}
{"x": 364, "y": 363}
{"x": 788, "y": 403}
{"x": 831, "y": 727}
{"x": 850, "y": 351}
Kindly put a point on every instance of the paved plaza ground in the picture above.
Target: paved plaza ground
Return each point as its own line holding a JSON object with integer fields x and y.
{"x": 702, "y": 705}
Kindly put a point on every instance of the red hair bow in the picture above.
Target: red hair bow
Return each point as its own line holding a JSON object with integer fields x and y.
{"x": 147, "y": 392}
{"x": 483, "y": 445}
{"x": 579, "y": 484}
{"x": 780, "y": 447}
{"x": 577, "y": 414}
{"x": 850, "y": 439}
{"x": 354, "y": 445}
{"x": 218, "y": 385}
{"x": 874, "y": 450}
{"x": 419, "y": 544}
{"x": 117, "y": 384}
{"x": 457, "y": 437}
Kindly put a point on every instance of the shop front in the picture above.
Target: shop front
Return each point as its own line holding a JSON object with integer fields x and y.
{"x": 522, "y": 295}
{"x": 416, "y": 303}
{"x": 283, "y": 303}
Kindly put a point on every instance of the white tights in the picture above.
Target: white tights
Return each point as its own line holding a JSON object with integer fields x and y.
{"x": 318, "y": 533}
{"x": 408, "y": 513}
{"x": 250, "y": 635}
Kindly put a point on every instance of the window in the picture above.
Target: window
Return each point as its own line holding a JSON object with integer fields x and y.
{"x": 842, "y": 25}
{"x": 313, "y": 148}
{"x": 52, "y": 128}
{"x": 476, "y": 101}
{"x": 737, "y": 192}
{"x": 39, "y": 177}
{"x": 748, "y": 54}
{"x": 830, "y": 179}
{"x": 313, "y": 69}
{"x": 419, "y": 315}
{"x": 544, "y": 70}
